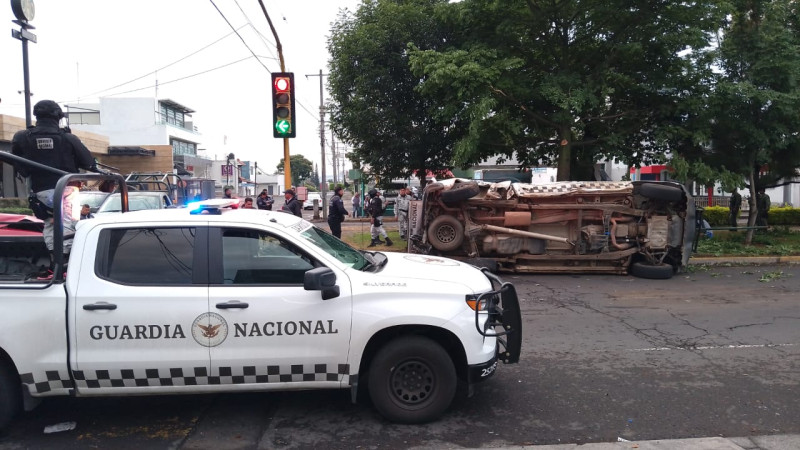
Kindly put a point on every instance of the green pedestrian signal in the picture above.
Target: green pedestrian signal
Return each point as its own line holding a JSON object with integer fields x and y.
{"x": 283, "y": 117}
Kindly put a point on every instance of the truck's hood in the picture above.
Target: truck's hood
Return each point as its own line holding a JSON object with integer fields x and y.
{"x": 433, "y": 268}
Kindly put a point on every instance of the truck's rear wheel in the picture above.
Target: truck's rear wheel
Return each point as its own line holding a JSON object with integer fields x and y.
{"x": 446, "y": 233}
{"x": 412, "y": 380}
{"x": 661, "y": 271}
{"x": 10, "y": 395}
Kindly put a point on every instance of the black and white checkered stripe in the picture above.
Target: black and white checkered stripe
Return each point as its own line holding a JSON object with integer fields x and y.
{"x": 189, "y": 377}
{"x": 563, "y": 188}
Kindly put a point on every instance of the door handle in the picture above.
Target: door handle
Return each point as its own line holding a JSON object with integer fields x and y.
{"x": 233, "y": 304}
{"x": 100, "y": 305}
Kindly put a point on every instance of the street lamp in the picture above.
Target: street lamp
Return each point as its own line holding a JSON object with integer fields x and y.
{"x": 24, "y": 12}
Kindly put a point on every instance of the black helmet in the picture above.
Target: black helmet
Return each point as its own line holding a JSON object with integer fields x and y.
{"x": 48, "y": 109}
{"x": 372, "y": 193}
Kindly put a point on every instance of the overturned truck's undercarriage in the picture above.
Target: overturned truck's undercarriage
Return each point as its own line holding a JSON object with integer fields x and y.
{"x": 644, "y": 227}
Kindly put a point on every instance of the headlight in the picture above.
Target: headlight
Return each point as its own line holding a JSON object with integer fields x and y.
{"x": 477, "y": 305}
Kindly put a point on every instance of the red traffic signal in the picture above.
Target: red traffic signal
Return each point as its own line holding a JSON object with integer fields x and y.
{"x": 283, "y": 119}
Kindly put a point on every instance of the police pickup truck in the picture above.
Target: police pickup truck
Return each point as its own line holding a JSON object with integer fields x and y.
{"x": 212, "y": 299}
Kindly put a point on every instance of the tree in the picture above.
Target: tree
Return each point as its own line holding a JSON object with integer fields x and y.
{"x": 568, "y": 82}
{"x": 752, "y": 112}
{"x": 300, "y": 167}
{"x": 376, "y": 108}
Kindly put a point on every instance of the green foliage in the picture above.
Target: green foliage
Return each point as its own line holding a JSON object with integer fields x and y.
{"x": 15, "y": 210}
{"x": 543, "y": 81}
{"x": 784, "y": 216}
{"x": 376, "y": 107}
{"x": 716, "y": 215}
{"x": 300, "y": 166}
{"x": 773, "y": 242}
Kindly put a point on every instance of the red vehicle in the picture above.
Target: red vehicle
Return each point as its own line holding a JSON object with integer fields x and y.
{"x": 22, "y": 248}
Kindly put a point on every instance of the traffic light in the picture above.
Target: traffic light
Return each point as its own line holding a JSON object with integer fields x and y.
{"x": 283, "y": 117}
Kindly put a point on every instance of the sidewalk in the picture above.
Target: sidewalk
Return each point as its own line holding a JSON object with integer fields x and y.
{"x": 777, "y": 442}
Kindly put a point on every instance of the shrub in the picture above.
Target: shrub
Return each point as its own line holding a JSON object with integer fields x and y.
{"x": 10, "y": 210}
{"x": 717, "y": 216}
{"x": 784, "y": 216}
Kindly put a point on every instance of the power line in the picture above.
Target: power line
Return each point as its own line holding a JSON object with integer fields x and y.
{"x": 239, "y": 35}
{"x": 162, "y": 68}
{"x": 264, "y": 40}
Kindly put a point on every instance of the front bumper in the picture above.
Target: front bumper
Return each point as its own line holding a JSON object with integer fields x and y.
{"x": 504, "y": 320}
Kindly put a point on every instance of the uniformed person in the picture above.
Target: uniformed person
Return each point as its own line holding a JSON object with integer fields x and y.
{"x": 736, "y": 205}
{"x": 264, "y": 201}
{"x": 52, "y": 146}
{"x": 336, "y": 212}
{"x": 401, "y": 204}
{"x": 763, "y": 204}
{"x": 375, "y": 211}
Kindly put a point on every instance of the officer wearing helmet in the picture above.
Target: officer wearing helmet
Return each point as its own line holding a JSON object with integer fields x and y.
{"x": 52, "y": 146}
{"x": 375, "y": 211}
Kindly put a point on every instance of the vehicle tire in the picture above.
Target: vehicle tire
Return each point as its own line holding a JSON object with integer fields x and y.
{"x": 661, "y": 192}
{"x": 460, "y": 192}
{"x": 446, "y": 233}
{"x": 10, "y": 395}
{"x": 412, "y": 380}
{"x": 484, "y": 262}
{"x": 661, "y": 271}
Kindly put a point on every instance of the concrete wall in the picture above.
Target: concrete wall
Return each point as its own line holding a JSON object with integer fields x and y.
{"x": 161, "y": 162}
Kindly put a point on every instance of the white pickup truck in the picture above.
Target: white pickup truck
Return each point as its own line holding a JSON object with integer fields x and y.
{"x": 211, "y": 299}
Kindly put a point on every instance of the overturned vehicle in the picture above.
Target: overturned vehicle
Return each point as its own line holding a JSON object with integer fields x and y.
{"x": 642, "y": 227}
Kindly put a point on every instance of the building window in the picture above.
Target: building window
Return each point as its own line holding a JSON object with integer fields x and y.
{"x": 172, "y": 116}
{"x": 183, "y": 148}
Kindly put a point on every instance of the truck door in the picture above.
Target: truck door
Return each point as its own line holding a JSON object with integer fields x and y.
{"x": 277, "y": 332}
{"x": 137, "y": 301}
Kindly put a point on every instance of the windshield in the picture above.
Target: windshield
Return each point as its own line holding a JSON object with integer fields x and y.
{"x": 135, "y": 203}
{"x": 334, "y": 247}
{"x": 93, "y": 199}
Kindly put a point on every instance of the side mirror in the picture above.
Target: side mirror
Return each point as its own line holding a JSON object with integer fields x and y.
{"x": 321, "y": 279}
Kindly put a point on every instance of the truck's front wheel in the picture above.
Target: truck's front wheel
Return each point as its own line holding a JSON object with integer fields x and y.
{"x": 412, "y": 380}
{"x": 10, "y": 395}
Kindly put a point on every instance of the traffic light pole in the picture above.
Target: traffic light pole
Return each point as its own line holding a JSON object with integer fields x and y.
{"x": 324, "y": 181}
{"x": 287, "y": 167}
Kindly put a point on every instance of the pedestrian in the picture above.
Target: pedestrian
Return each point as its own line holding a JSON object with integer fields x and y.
{"x": 264, "y": 201}
{"x": 86, "y": 212}
{"x": 228, "y": 193}
{"x": 375, "y": 211}
{"x": 763, "y": 204}
{"x": 336, "y": 212}
{"x": 401, "y": 204}
{"x": 735, "y": 206}
{"x": 356, "y": 205}
{"x": 248, "y": 203}
{"x": 292, "y": 205}
{"x": 52, "y": 146}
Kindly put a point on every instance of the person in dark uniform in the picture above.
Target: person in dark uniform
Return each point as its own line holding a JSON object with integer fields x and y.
{"x": 736, "y": 205}
{"x": 52, "y": 146}
{"x": 264, "y": 201}
{"x": 336, "y": 212}
{"x": 292, "y": 205}
{"x": 763, "y": 204}
{"x": 375, "y": 211}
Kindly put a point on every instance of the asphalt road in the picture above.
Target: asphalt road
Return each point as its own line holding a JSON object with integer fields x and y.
{"x": 714, "y": 352}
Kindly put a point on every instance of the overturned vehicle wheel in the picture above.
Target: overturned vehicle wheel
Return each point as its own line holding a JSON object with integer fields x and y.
{"x": 660, "y": 271}
{"x": 446, "y": 233}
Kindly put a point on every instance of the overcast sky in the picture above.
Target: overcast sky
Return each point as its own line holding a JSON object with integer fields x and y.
{"x": 92, "y": 48}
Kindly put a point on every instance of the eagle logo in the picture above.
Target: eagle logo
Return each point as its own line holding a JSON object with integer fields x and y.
{"x": 209, "y": 329}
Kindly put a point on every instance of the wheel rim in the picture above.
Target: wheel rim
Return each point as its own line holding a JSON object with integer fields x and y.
{"x": 445, "y": 234}
{"x": 412, "y": 383}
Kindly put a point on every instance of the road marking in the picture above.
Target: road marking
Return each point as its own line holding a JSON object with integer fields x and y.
{"x": 710, "y": 347}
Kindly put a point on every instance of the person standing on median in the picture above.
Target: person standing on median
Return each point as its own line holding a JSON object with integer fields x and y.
{"x": 336, "y": 212}
{"x": 375, "y": 211}
{"x": 401, "y": 204}
{"x": 736, "y": 205}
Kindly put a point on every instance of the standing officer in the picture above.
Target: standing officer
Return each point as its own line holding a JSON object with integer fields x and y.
{"x": 375, "y": 211}
{"x": 292, "y": 205}
{"x": 52, "y": 146}
{"x": 736, "y": 205}
{"x": 264, "y": 201}
{"x": 763, "y": 204}
{"x": 401, "y": 204}
{"x": 336, "y": 212}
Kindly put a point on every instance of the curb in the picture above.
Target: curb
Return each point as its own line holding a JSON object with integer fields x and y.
{"x": 774, "y": 442}
{"x": 744, "y": 260}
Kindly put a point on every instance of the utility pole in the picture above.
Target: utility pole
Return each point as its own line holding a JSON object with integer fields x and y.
{"x": 335, "y": 160}
{"x": 287, "y": 167}
{"x": 24, "y": 12}
{"x": 322, "y": 144}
